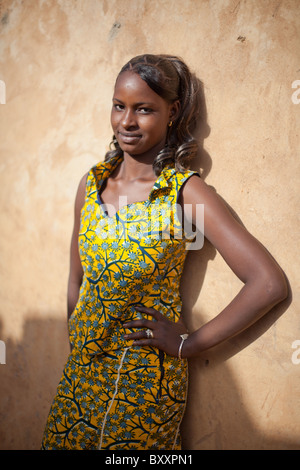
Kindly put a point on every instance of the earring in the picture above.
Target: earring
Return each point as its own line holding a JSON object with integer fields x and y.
{"x": 170, "y": 123}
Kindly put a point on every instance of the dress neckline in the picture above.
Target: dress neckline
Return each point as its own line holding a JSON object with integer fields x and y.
{"x": 103, "y": 170}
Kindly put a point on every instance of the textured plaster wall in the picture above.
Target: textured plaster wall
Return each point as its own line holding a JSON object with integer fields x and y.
{"x": 58, "y": 61}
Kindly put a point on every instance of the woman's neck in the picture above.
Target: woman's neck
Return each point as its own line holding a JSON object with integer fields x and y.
{"x": 134, "y": 168}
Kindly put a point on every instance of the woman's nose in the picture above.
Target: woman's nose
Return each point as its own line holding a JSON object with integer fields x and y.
{"x": 128, "y": 119}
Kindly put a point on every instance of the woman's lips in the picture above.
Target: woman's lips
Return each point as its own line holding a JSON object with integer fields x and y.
{"x": 128, "y": 138}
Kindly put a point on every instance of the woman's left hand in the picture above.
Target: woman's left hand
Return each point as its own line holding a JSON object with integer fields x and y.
{"x": 164, "y": 334}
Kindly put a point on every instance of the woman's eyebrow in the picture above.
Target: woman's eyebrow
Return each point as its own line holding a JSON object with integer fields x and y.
{"x": 140, "y": 103}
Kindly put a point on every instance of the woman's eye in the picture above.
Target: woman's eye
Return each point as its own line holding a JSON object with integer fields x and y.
{"x": 145, "y": 110}
{"x": 121, "y": 107}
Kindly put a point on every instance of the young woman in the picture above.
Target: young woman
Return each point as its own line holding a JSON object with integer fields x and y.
{"x": 124, "y": 384}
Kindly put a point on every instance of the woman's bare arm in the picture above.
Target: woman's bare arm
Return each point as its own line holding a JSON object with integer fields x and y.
{"x": 76, "y": 272}
{"x": 264, "y": 281}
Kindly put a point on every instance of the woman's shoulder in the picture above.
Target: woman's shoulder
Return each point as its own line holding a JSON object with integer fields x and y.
{"x": 194, "y": 182}
{"x": 197, "y": 191}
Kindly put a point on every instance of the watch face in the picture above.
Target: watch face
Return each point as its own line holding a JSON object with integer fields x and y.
{"x": 184, "y": 336}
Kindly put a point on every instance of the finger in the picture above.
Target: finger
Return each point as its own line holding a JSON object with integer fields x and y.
{"x": 149, "y": 311}
{"x": 143, "y": 342}
{"x": 137, "y": 335}
{"x": 141, "y": 323}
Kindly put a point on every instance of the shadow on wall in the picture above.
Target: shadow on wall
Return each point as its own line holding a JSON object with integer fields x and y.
{"x": 29, "y": 380}
{"x": 216, "y": 417}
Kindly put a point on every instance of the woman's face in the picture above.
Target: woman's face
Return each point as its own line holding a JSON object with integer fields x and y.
{"x": 139, "y": 116}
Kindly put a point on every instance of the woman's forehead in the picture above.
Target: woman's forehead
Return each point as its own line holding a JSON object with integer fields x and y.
{"x": 130, "y": 84}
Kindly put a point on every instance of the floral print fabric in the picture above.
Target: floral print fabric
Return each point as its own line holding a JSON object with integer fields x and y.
{"x": 113, "y": 395}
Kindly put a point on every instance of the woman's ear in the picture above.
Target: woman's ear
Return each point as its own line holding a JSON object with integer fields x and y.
{"x": 174, "y": 110}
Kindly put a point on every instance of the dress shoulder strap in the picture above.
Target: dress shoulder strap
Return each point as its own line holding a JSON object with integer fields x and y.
{"x": 180, "y": 178}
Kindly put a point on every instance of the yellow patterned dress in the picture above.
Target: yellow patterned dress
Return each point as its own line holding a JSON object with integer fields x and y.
{"x": 113, "y": 395}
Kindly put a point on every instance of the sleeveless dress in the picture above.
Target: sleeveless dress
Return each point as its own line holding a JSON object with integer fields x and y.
{"x": 113, "y": 395}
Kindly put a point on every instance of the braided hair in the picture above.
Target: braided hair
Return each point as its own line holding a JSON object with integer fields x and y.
{"x": 170, "y": 78}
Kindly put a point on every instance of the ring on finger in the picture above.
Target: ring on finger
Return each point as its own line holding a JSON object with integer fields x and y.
{"x": 149, "y": 333}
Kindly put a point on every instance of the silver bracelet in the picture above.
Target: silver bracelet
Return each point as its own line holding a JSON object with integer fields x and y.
{"x": 183, "y": 338}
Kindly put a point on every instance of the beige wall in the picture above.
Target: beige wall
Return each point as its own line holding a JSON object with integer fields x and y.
{"x": 58, "y": 60}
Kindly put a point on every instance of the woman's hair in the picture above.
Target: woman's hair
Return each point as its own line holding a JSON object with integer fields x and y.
{"x": 171, "y": 79}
